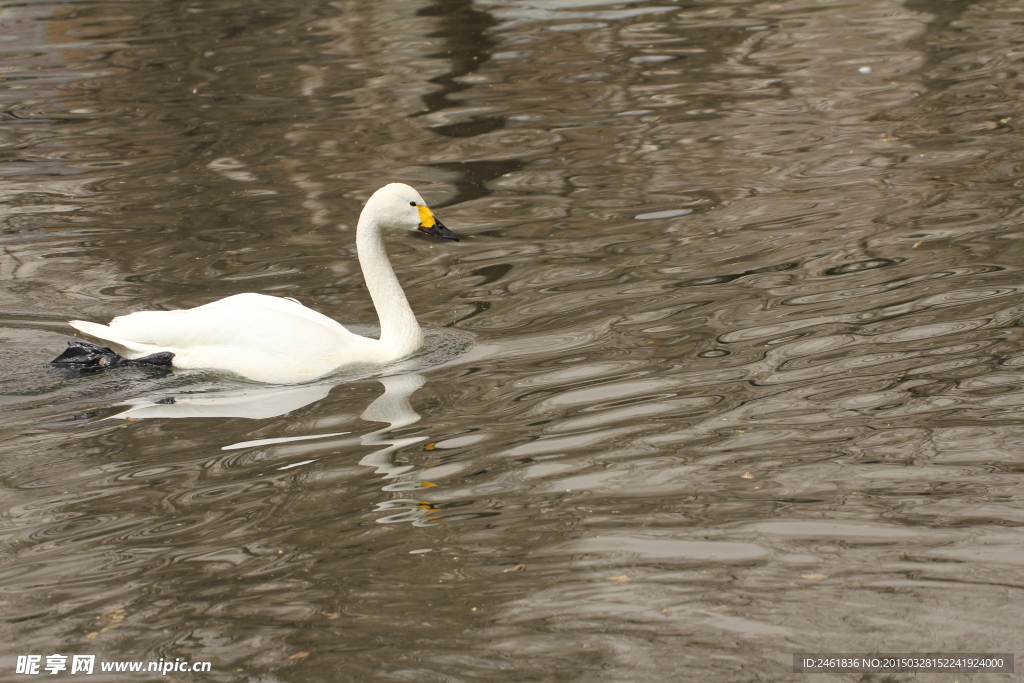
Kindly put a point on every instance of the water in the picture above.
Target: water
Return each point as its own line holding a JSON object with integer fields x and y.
{"x": 726, "y": 367}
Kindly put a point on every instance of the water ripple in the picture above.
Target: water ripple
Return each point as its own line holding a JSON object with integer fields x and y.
{"x": 732, "y": 340}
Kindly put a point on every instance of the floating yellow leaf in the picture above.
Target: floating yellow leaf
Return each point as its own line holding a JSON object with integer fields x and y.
{"x": 814, "y": 577}
{"x": 299, "y": 655}
{"x": 113, "y": 618}
{"x": 746, "y": 475}
{"x": 622, "y": 578}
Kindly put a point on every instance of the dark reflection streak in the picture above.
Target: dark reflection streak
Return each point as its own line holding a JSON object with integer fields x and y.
{"x": 474, "y": 176}
{"x": 467, "y": 46}
{"x": 721, "y": 279}
{"x": 478, "y": 308}
{"x": 492, "y": 273}
{"x": 945, "y": 13}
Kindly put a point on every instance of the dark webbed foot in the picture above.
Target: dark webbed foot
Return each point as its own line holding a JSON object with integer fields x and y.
{"x": 85, "y": 356}
{"x": 81, "y": 355}
{"x": 163, "y": 358}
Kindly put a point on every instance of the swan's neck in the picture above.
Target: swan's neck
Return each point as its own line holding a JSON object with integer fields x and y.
{"x": 399, "y": 331}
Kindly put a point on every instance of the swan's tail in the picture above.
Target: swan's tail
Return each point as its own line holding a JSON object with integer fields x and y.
{"x": 81, "y": 355}
{"x": 106, "y": 334}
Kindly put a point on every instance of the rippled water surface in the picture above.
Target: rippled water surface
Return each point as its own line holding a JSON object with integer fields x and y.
{"x": 728, "y": 364}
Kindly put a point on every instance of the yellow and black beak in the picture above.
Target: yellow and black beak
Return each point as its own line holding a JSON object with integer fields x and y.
{"x": 430, "y": 225}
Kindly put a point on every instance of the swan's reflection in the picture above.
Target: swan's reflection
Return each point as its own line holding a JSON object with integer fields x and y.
{"x": 394, "y": 408}
{"x": 258, "y": 403}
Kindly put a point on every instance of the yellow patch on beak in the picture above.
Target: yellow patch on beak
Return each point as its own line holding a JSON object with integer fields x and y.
{"x": 427, "y": 219}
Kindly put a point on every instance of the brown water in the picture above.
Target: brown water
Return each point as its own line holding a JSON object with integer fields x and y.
{"x": 727, "y": 366}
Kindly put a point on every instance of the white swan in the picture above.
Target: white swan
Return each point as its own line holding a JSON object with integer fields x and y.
{"x": 275, "y": 340}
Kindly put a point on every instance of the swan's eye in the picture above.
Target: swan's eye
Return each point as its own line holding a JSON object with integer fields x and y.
{"x": 412, "y": 203}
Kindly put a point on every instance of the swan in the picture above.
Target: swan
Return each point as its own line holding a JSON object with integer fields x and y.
{"x": 272, "y": 339}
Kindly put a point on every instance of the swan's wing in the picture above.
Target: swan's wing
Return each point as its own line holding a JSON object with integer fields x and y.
{"x": 290, "y": 306}
{"x": 236, "y": 321}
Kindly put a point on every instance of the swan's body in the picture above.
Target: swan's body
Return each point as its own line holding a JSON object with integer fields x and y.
{"x": 271, "y": 339}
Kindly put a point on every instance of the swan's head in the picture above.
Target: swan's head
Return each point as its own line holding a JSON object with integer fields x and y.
{"x": 401, "y": 207}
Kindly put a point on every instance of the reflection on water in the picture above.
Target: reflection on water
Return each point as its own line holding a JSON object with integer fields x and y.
{"x": 257, "y": 403}
{"x": 261, "y": 403}
{"x": 727, "y": 367}
{"x": 392, "y": 407}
